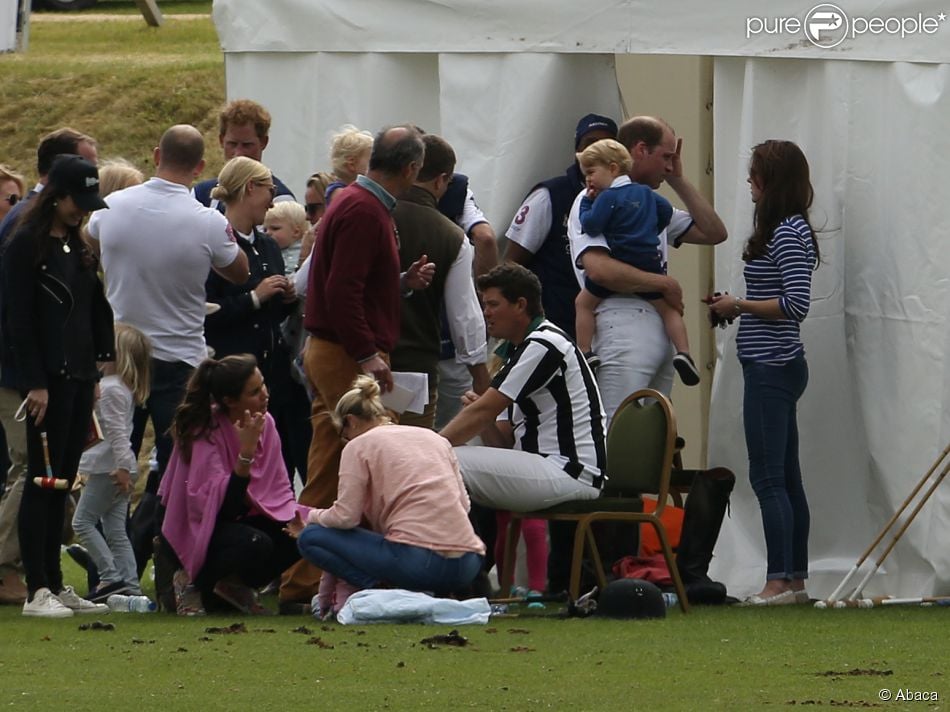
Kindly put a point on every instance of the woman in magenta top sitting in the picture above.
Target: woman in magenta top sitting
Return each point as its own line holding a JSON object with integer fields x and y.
{"x": 226, "y": 492}
{"x": 404, "y": 482}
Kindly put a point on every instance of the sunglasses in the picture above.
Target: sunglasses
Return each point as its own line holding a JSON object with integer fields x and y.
{"x": 271, "y": 187}
{"x": 12, "y": 199}
{"x": 314, "y": 208}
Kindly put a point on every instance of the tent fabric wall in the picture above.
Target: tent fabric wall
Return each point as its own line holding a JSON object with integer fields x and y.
{"x": 875, "y": 414}
{"x": 8, "y": 13}
{"x": 495, "y": 109}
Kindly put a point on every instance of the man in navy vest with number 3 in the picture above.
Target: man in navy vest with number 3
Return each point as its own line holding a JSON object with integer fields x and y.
{"x": 537, "y": 236}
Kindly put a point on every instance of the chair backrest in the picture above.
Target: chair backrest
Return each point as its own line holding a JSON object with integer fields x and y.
{"x": 640, "y": 445}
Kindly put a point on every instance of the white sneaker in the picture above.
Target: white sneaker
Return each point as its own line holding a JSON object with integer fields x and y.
{"x": 69, "y": 598}
{"x": 46, "y": 605}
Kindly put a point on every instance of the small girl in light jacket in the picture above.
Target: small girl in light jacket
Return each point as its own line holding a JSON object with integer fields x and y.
{"x": 111, "y": 467}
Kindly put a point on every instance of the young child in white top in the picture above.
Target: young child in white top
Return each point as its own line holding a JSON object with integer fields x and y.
{"x": 111, "y": 467}
{"x": 287, "y": 222}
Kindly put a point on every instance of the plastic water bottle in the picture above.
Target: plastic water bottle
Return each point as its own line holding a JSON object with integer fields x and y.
{"x": 130, "y": 604}
{"x": 671, "y": 600}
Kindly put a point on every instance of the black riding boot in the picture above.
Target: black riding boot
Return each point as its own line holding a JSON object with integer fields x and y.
{"x": 705, "y": 507}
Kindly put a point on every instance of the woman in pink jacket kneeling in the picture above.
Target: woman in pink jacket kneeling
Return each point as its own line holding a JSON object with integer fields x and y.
{"x": 404, "y": 482}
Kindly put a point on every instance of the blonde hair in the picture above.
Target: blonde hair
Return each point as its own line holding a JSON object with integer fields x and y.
{"x": 7, "y": 173}
{"x": 348, "y": 144}
{"x": 362, "y": 400}
{"x": 320, "y": 181}
{"x": 289, "y": 212}
{"x": 116, "y": 174}
{"x": 605, "y": 152}
{"x": 234, "y": 177}
{"x": 133, "y": 360}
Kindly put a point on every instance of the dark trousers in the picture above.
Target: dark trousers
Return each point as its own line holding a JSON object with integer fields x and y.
{"x": 42, "y": 511}
{"x": 255, "y": 549}
{"x": 771, "y": 435}
{"x": 169, "y": 380}
{"x": 291, "y": 412}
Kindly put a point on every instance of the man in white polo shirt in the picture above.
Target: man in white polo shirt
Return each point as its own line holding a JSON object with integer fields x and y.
{"x": 158, "y": 245}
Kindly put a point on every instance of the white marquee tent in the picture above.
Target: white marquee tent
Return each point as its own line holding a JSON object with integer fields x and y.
{"x": 503, "y": 82}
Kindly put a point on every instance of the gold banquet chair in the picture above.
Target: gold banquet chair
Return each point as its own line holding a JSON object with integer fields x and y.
{"x": 640, "y": 446}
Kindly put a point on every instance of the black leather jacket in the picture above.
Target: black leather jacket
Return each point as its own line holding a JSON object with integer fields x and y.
{"x": 56, "y": 320}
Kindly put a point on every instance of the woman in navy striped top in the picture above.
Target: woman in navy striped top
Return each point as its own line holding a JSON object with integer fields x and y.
{"x": 780, "y": 257}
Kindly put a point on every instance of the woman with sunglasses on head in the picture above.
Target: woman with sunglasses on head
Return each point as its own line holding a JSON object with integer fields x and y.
{"x": 248, "y": 316}
{"x": 57, "y": 324}
{"x": 11, "y": 189}
{"x": 780, "y": 257}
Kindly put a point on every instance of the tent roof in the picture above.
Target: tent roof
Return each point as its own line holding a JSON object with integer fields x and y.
{"x": 869, "y": 30}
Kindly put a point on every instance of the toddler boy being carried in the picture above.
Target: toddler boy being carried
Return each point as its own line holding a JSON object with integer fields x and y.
{"x": 631, "y": 217}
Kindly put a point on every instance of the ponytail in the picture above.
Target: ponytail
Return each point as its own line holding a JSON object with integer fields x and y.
{"x": 210, "y": 384}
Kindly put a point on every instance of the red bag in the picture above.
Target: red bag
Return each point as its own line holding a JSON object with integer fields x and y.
{"x": 647, "y": 568}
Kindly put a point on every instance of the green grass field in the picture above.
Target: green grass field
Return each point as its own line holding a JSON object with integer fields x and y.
{"x": 122, "y": 82}
{"x": 713, "y": 658}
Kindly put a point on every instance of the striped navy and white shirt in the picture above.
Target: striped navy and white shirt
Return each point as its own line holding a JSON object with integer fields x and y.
{"x": 556, "y": 411}
{"x": 783, "y": 273}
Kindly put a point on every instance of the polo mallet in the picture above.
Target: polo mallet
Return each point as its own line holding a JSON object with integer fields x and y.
{"x": 49, "y": 482}
{"x": 855, "y": 595}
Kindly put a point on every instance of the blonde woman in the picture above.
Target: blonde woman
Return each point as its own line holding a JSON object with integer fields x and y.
{"x": 250, "y": 314}
{"x": 12, "y": 189}
{"x": 405, "y": 483}
{"x": 111, "y": 466}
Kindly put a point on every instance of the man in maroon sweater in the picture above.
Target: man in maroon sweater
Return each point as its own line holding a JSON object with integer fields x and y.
{"x": 353, "y": 311}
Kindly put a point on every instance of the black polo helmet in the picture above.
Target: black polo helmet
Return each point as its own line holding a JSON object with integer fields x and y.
{"x": 631, "y": 598}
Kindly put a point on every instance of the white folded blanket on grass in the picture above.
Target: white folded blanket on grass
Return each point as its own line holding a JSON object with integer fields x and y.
{"x": 400, "y": 606}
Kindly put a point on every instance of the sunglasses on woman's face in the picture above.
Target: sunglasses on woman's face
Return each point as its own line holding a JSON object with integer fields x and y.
{"x": 12, "y": 199}
{"x": 314, "y": 208}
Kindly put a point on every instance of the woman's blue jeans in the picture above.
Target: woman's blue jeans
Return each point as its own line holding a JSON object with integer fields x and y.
{"x": 771, "y": 435}
{"x": 365, "y": 558}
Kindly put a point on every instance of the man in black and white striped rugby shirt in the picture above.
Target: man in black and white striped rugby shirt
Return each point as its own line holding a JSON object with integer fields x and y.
{"x": 541, "y": 421}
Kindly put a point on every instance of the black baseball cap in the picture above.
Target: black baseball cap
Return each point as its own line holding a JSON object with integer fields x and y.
{"x": 594, "y": 122}
{"x": 78, "y": 178}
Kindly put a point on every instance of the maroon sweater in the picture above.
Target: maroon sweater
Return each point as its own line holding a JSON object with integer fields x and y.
{"x": 353, "y": 292}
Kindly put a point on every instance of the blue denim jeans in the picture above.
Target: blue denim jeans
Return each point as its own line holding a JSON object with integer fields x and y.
{"x": 365, "y": 558}
{"x": 771, "y": 435}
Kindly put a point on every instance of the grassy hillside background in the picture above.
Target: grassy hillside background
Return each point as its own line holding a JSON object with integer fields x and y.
{"x": 115, "y": 79}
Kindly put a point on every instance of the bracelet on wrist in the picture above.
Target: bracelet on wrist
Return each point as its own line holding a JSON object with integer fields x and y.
{"x": 738, "y": 309}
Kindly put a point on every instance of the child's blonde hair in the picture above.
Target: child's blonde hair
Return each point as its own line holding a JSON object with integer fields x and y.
{"x": 117, "y": 174}
{"x": 605, "y": 152}
{"x": 290, "y": 212}
{"x": 133, "y": 360}
{"x": 348, "y": 144}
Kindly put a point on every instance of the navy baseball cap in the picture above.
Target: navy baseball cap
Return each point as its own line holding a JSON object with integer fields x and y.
{"x": 593, "y": 122}
{"x": 79, "y": 179}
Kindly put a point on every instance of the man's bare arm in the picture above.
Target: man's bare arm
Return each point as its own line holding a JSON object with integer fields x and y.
{"x": 620, "y": 277}
{"x": 236, "y": 272}
{"x": 707, "y": 228}
{"x": 477, "y": 418}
